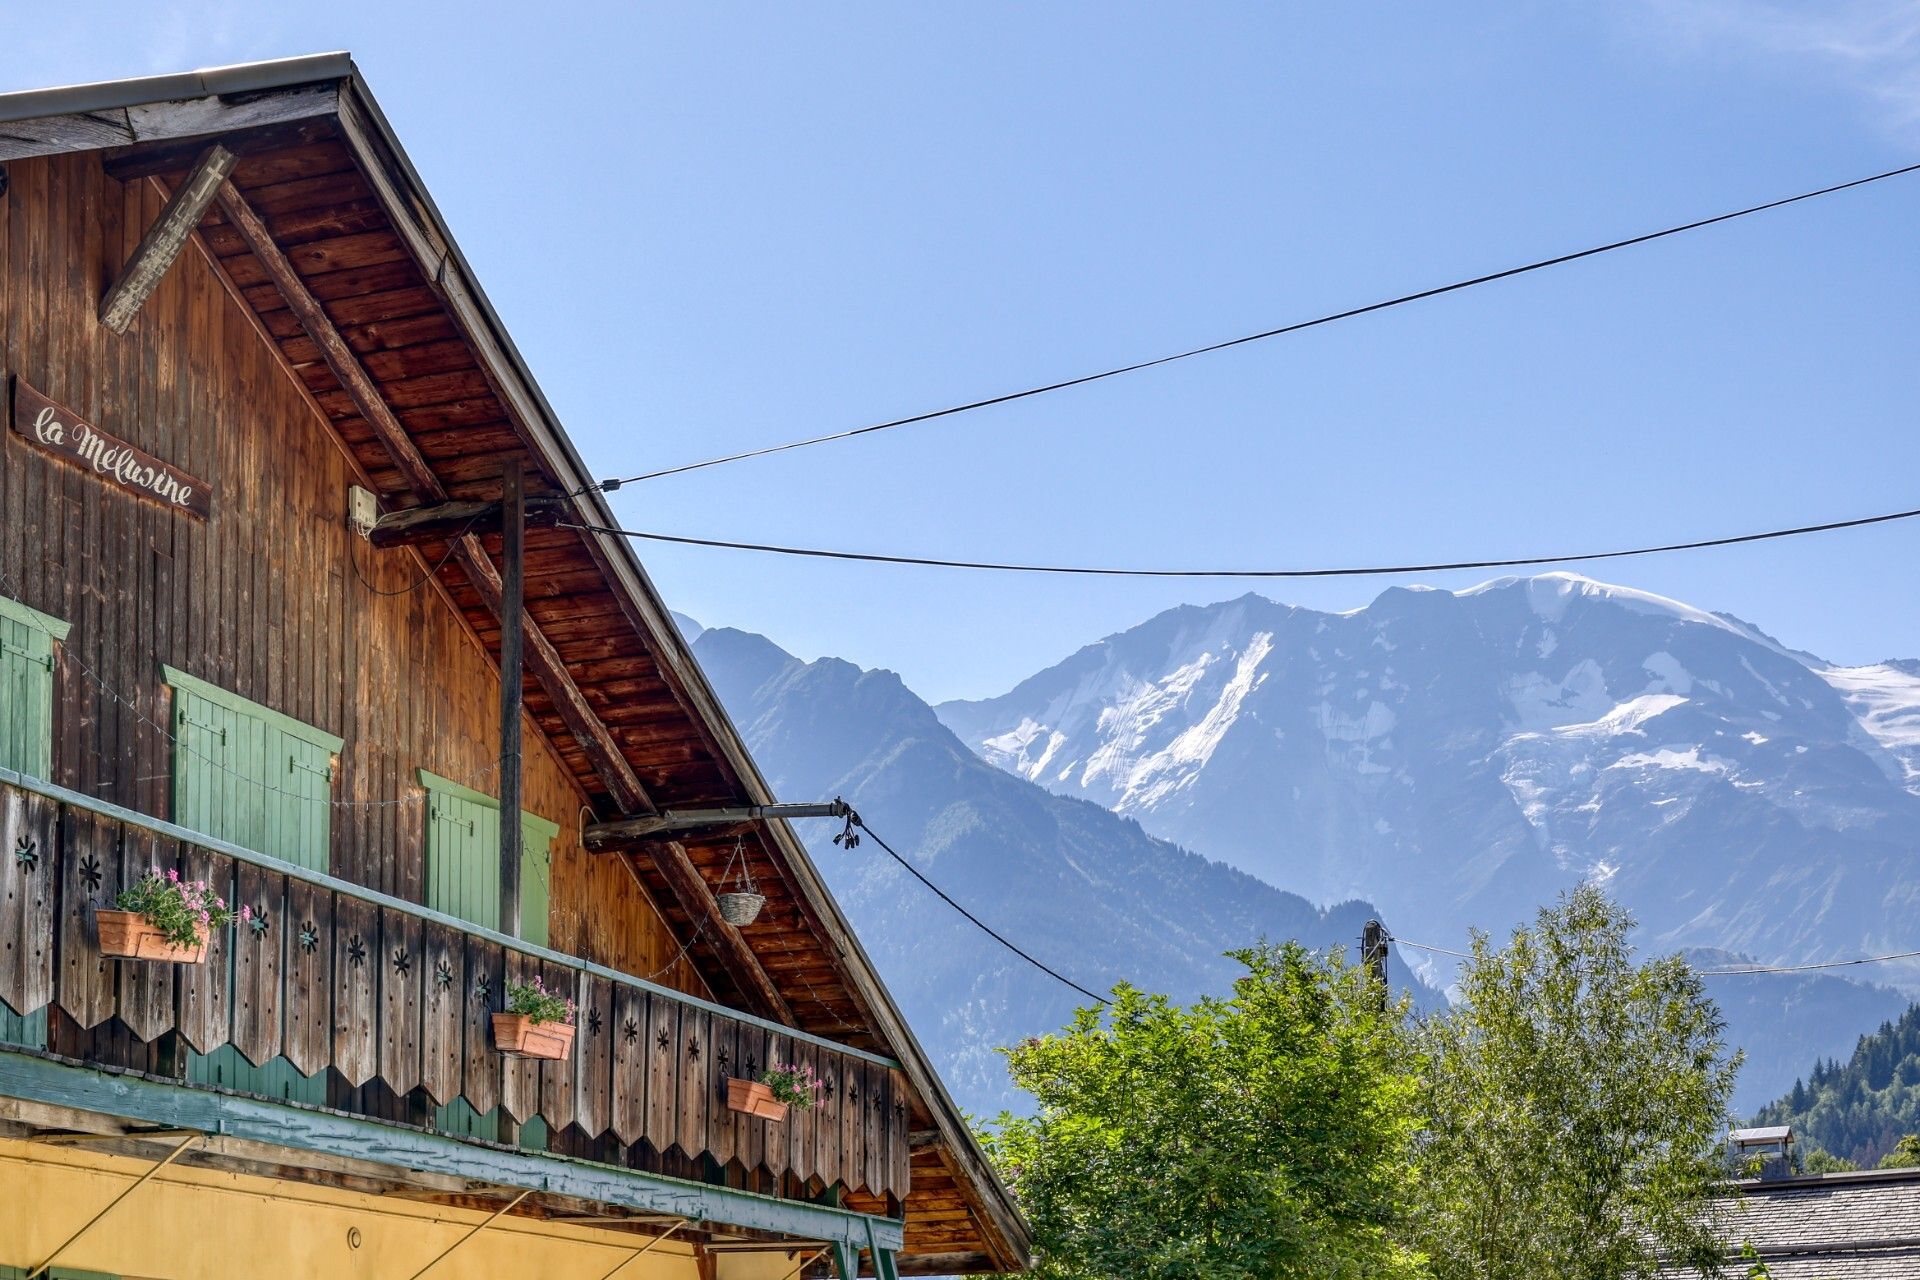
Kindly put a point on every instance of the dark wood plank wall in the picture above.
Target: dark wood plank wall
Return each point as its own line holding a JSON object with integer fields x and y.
{"x": 263, "y": 599}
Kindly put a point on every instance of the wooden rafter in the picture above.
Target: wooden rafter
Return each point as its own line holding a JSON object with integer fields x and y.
{"x": 623, "y": 784}
{"x": 165, "y": 239}
{"x": 695, "y": 897}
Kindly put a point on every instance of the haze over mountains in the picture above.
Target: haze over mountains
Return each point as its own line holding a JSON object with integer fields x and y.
{"x": 1460, "y": 756}
{"x": 1455, "y": 758}
{"x": 1089, "y": 893}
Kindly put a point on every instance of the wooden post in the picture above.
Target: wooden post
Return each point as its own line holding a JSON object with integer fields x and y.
{"x": 1373, "y": 954}
{"x": 512, "y": 576}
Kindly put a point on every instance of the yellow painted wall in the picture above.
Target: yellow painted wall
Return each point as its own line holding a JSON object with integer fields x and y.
{"x": 197, "y": 1224}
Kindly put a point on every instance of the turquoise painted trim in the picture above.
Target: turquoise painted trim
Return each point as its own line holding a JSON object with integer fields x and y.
{"x": 434, "y": 782}
{"x": 134, "y": 819}
{"x": 41, "y": 1078}
{"x": 234, "y": 702}
{"x": 30, "y": 617}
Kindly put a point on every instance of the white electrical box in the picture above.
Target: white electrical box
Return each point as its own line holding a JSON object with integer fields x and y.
{"x": 363, "y": 508}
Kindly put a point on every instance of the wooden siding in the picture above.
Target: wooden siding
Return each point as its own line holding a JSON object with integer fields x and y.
{"x": 396, "y": 982}
{"x": 266, "y": 598}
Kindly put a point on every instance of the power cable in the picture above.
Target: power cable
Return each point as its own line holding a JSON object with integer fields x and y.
{"x": 1733, "y": 972}
{"x": 609, "y": 486}
{"x": 854, "y": 820}
{"x": 1356, "y": 572}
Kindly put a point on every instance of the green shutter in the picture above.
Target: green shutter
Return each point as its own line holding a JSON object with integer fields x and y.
{"x": 463, "y": 879}
{"x": 27, "y": 637}
{"x": 249, "y": 775}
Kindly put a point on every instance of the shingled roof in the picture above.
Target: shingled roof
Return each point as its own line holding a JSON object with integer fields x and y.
{"x": 1836, "y": 1226}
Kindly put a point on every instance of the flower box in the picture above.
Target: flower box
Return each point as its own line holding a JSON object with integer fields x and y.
{"x": 518, "y": 1036}
{"x": 128, "y": 935}
{"x": 754, "y": 1099}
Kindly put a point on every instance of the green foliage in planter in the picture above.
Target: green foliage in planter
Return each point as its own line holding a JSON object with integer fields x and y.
{"x": 539, "y": 1004}
{"x": 184, "y": 911}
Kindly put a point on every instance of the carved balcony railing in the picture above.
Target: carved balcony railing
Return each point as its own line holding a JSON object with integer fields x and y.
{"x": 330, "y": 974}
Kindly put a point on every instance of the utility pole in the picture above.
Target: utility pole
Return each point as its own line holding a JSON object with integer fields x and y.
{"x": 1373, "y": 954}
{"x": 513, "y": 531}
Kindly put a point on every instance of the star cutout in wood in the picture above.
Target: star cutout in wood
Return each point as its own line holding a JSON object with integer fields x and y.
{"x": 402, "y": 962}
{"x": 26, "y": 853}
{"x": 443, "y": 975}
{"x": 593, "y": 1022}
{"x": 89, "y": 871}
{"x": 631, "y": 1030}
{"x": 356, "y": 951}
{"x": 309, "y": 937}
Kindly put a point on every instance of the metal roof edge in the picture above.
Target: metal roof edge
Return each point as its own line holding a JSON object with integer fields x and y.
{"x": 112, "y": 95}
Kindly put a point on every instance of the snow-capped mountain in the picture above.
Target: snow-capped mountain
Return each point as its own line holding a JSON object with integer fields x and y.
{"x": 1087, "y": 892}
{"x": 1459, "y": 756}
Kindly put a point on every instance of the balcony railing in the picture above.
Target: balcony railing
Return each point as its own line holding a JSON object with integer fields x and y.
{"x": 329, "y": 974}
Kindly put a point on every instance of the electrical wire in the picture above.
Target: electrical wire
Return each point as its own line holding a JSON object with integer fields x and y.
{"x": 453, "y": 545}
{"x": 976, "y": 921}
{"x": 1732, "y": 972}
{"x": 1355, "y": 572}
{"x": 1295, "y": 327}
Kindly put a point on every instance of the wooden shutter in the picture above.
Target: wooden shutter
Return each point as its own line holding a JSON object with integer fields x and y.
{"x": 251, "y": 776}
{"x": 463, "y": 880}
{"x": 27, "y": 639}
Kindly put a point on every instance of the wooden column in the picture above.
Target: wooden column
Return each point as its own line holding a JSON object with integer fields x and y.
{"x": 165, "y": 238}
{"x": 513, "y": 531}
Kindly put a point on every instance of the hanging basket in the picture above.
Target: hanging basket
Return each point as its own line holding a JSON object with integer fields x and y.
{"x": 739, "y": 909}
{"x": 128, "y": 935}
{"x": 750, "y": 1097}
{"x": 517, "y": 1035}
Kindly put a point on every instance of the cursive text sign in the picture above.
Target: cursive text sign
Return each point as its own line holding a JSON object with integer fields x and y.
{"x": 60, "y": 432}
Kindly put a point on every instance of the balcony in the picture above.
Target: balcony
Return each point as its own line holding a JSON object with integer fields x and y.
{"x": 332, "y": 976}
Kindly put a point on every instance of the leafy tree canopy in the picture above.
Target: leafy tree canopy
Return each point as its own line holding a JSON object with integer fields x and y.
{"x": 1264, "y": 1135}
{"x": 1577, "y": 1102}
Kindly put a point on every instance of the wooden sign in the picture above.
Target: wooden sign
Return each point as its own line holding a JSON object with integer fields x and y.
{"x": 62, "y": 433}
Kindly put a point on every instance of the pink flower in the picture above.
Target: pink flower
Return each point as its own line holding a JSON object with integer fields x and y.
{"x": 173, "y": 875}
{"x": 246, "y": 912}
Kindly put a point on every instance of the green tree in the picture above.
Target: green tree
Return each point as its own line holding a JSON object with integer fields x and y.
{"x": 1820, "y": 1160}
{"x": 1577, "y": 1101}
{"x": 1905, "y": 1154}
{"x": 1260, "y": 1136}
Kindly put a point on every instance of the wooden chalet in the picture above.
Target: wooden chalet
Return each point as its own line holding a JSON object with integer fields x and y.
{"x": 236, "y": 337}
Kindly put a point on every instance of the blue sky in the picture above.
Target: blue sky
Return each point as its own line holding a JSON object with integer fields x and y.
{"x": 712, "y": 227}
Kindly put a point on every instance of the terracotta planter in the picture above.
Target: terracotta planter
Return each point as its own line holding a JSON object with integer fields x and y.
{"x": 518, "y": 1036}
{"x": 754, "y": 1099}
{"x": 127, "y": 935}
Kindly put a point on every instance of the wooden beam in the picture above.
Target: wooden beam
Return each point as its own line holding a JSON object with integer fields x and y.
{"x": 657, "y": 826}
{"x": 330, "y": 1133}
{"x": 433, "y": 522}
{"x": 339, "y": 357}
{"x": 208, "y": 112}
{"x": 436, "y": 522}
{"x": 513, "y": 615}
{"x": 695, "y": 896}
{"x": 918, "y": 1138}
{"x": 165, "y": 239}
{"x": 542, "y": 658}
{"x": 547, "y": 666}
